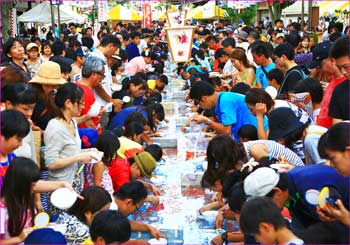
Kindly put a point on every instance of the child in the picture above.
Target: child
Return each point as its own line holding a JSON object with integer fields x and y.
{"x": 247, "y": 133}
{"x": 110, "y": 226}
{"x": 97, "y": 174}
{"x": 17, "y": 201}
{"x": 262, "y": 218}
{"x": 11, "y": 137}
{"x": 155, "y": 150}
{"x": 275, "y": 77}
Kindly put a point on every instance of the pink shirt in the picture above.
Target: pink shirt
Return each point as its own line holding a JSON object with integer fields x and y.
{"x": 135, "y": 65}
{"x": 4, "y": 233}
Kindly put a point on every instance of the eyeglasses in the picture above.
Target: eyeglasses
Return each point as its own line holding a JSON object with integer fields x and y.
{"x": 100, "y": 73}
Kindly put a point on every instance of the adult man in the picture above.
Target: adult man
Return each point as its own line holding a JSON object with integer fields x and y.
{"x": 74, "y": 32}
{"x": 132, "y": 50}
{"x": 228, "y": 45}
{"x": 339, "y": 106}
{"x": 230, "y": 109}
{"x": 261, "y": 56}
{"x": 129, "y": 199}
{"x": 109, "y": 44}
{"x": 214, "y": 44}
{"x": 285, "y": 57}
{"x": 92, "y": 75}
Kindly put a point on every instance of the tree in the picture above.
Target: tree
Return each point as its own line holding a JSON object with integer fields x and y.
{"x": 247, "y": 16}
{"x": 276, "y": 7}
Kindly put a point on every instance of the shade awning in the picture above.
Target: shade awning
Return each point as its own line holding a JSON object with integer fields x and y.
{"x": 120, "y": 12}
{"x": 207, "y": 11}
{"x": 42, "y": 14}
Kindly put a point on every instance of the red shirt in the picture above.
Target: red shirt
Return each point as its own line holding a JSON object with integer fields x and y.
{"x": 89, "y": 99}
{"x": 323, "y": 119}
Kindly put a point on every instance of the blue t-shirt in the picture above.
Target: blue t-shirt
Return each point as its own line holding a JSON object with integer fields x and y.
{"x": 132, "y": 51}
{"x": 4, "y": 166}
{"x": 119, "y": 118}
{"x": 261, "y": 76}
{"x": 231, "y": 109}
{"x": 302, "y": 179}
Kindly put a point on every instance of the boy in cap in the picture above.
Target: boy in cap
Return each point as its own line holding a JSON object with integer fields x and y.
{"x": 80, "y": 55}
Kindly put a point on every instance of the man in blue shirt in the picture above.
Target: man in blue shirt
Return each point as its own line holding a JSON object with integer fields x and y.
{"x": 131, "y": 49}
{"x": 230, "y": 109}
{"x": 261, "y": 56}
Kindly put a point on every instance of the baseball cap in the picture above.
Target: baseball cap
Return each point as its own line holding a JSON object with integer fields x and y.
{"x": 260, "y": 182}
{"x": 145, "y": 162}
{"x": 280, "y": 34}
{"x": 319, "y": 53}
{"x": 282, "y": 121}
{"x": 31, "y": 45}
{"x": 242, "y": 35}
{"x": 82, "y": 51}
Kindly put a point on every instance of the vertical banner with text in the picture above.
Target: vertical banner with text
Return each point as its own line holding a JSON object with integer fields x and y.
{"x": 146, "y": 15}
{"x": 103, "y": 14}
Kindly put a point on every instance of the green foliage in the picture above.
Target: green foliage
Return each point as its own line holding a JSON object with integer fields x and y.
{"x": 276, "y": 9}
{"x": 247, "y": 17}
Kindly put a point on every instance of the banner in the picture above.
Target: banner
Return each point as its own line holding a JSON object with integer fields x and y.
{"x": 146, "y": 15}
{"x": 180, "y": 42}
{"x": 13, "y": 22}
{"x": 102, "y": 11}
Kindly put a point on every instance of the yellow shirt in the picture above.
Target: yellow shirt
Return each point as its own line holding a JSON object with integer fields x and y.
{"x": 151, "y": 84}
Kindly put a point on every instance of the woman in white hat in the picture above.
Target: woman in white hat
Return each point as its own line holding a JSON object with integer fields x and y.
{"x": 48, "y": 78}
{"x": 34, "y": 60}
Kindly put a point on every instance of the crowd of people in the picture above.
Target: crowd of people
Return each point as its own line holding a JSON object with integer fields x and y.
{"x": 276, "y": 99}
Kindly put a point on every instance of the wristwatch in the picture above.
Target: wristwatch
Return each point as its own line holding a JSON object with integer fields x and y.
{"x": 224, "y": 237}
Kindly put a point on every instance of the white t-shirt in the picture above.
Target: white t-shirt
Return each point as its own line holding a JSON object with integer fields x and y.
{"x": 142, "y": 45}
{"x": 107, "y": 81}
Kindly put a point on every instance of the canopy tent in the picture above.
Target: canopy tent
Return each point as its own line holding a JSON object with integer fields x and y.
{"x": 120, "y": 12}
{"x": 207, "y": 11}
{"x": 42, "y": 14}
{"x": 326, "y": 7}
{"x": 159, "y": 16}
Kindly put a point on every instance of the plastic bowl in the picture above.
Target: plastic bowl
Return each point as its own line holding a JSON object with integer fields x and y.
{"x": 160, "y": 241}
{"x": 63, "y": 198}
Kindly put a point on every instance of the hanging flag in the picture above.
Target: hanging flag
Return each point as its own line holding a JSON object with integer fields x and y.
{"x": 146, "y": 15}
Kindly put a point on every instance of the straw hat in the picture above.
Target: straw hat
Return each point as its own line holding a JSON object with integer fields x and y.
{"x": 49, "y": 73}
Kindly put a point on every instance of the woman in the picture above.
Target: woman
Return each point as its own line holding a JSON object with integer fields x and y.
{"x": 246, "y": 72}
{"x": 46, "y": 52}
{"x": 47, "y": 80}
{"x": 303, "y": 54}
{"x": 33, "y": 61}
{"x": 14, "y": 56}
{"x": 63, "y": 155}
{"x": 79, "y": 217}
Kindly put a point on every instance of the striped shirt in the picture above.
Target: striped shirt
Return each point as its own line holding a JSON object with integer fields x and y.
{"x": 275, "y": 150}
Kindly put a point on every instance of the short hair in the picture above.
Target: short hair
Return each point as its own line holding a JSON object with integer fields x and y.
{"x": 334, "y": 36}
{"x": 312, "y": 86}
{"x": 19, "y": 93}
{"x": 134, "y": 190}
{"x": 112, "y": 226}
{"x": 337, "y": 138}
{"x": 237, "y": 197}
{"x": 133, "y": 128}
{"x": 136, "y": 116}
{"x": 340, "y": 48}
{"x": 240, "y": 88}
{"x": 109, "y": 38}
{"x": 134, "y": 34}
{"x": 260, "y": 48}
{"x": 14, "y": 123}
{"x": 258, "y": 95}
{"x": 91, "y": 65}
{"x": 164, "y": 79}
{"x": 228, "y": 42}
{"x": 155, "y": 150}
{"x": 200, "y": 89}
{"x": 87, "y": 41}
{"x": 278, "y": 20}
{"x": 95, "y": 198}
{"x": 9, "y": 43}
{"x": 285, "y": 49}
{"x": 72, "y": 24}
{"x": 219, "y": 53}
{"x": 58, "y": 47}
{"x": 268, "y": 212}
{"x": 275, "y": 74}
{"x": 64, "y": 65}
{"x": 212, "y": 38}
{"x": 293, "y": 38}
{"x": 248, "y": 131}
{"x": 10, "y": 75}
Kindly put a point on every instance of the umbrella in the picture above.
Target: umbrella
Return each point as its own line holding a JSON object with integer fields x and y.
{"x": 122, "y": 13}
{"x": 42, "y": 14}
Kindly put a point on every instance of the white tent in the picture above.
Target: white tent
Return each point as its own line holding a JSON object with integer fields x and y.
{"x": 42, "y": 14}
